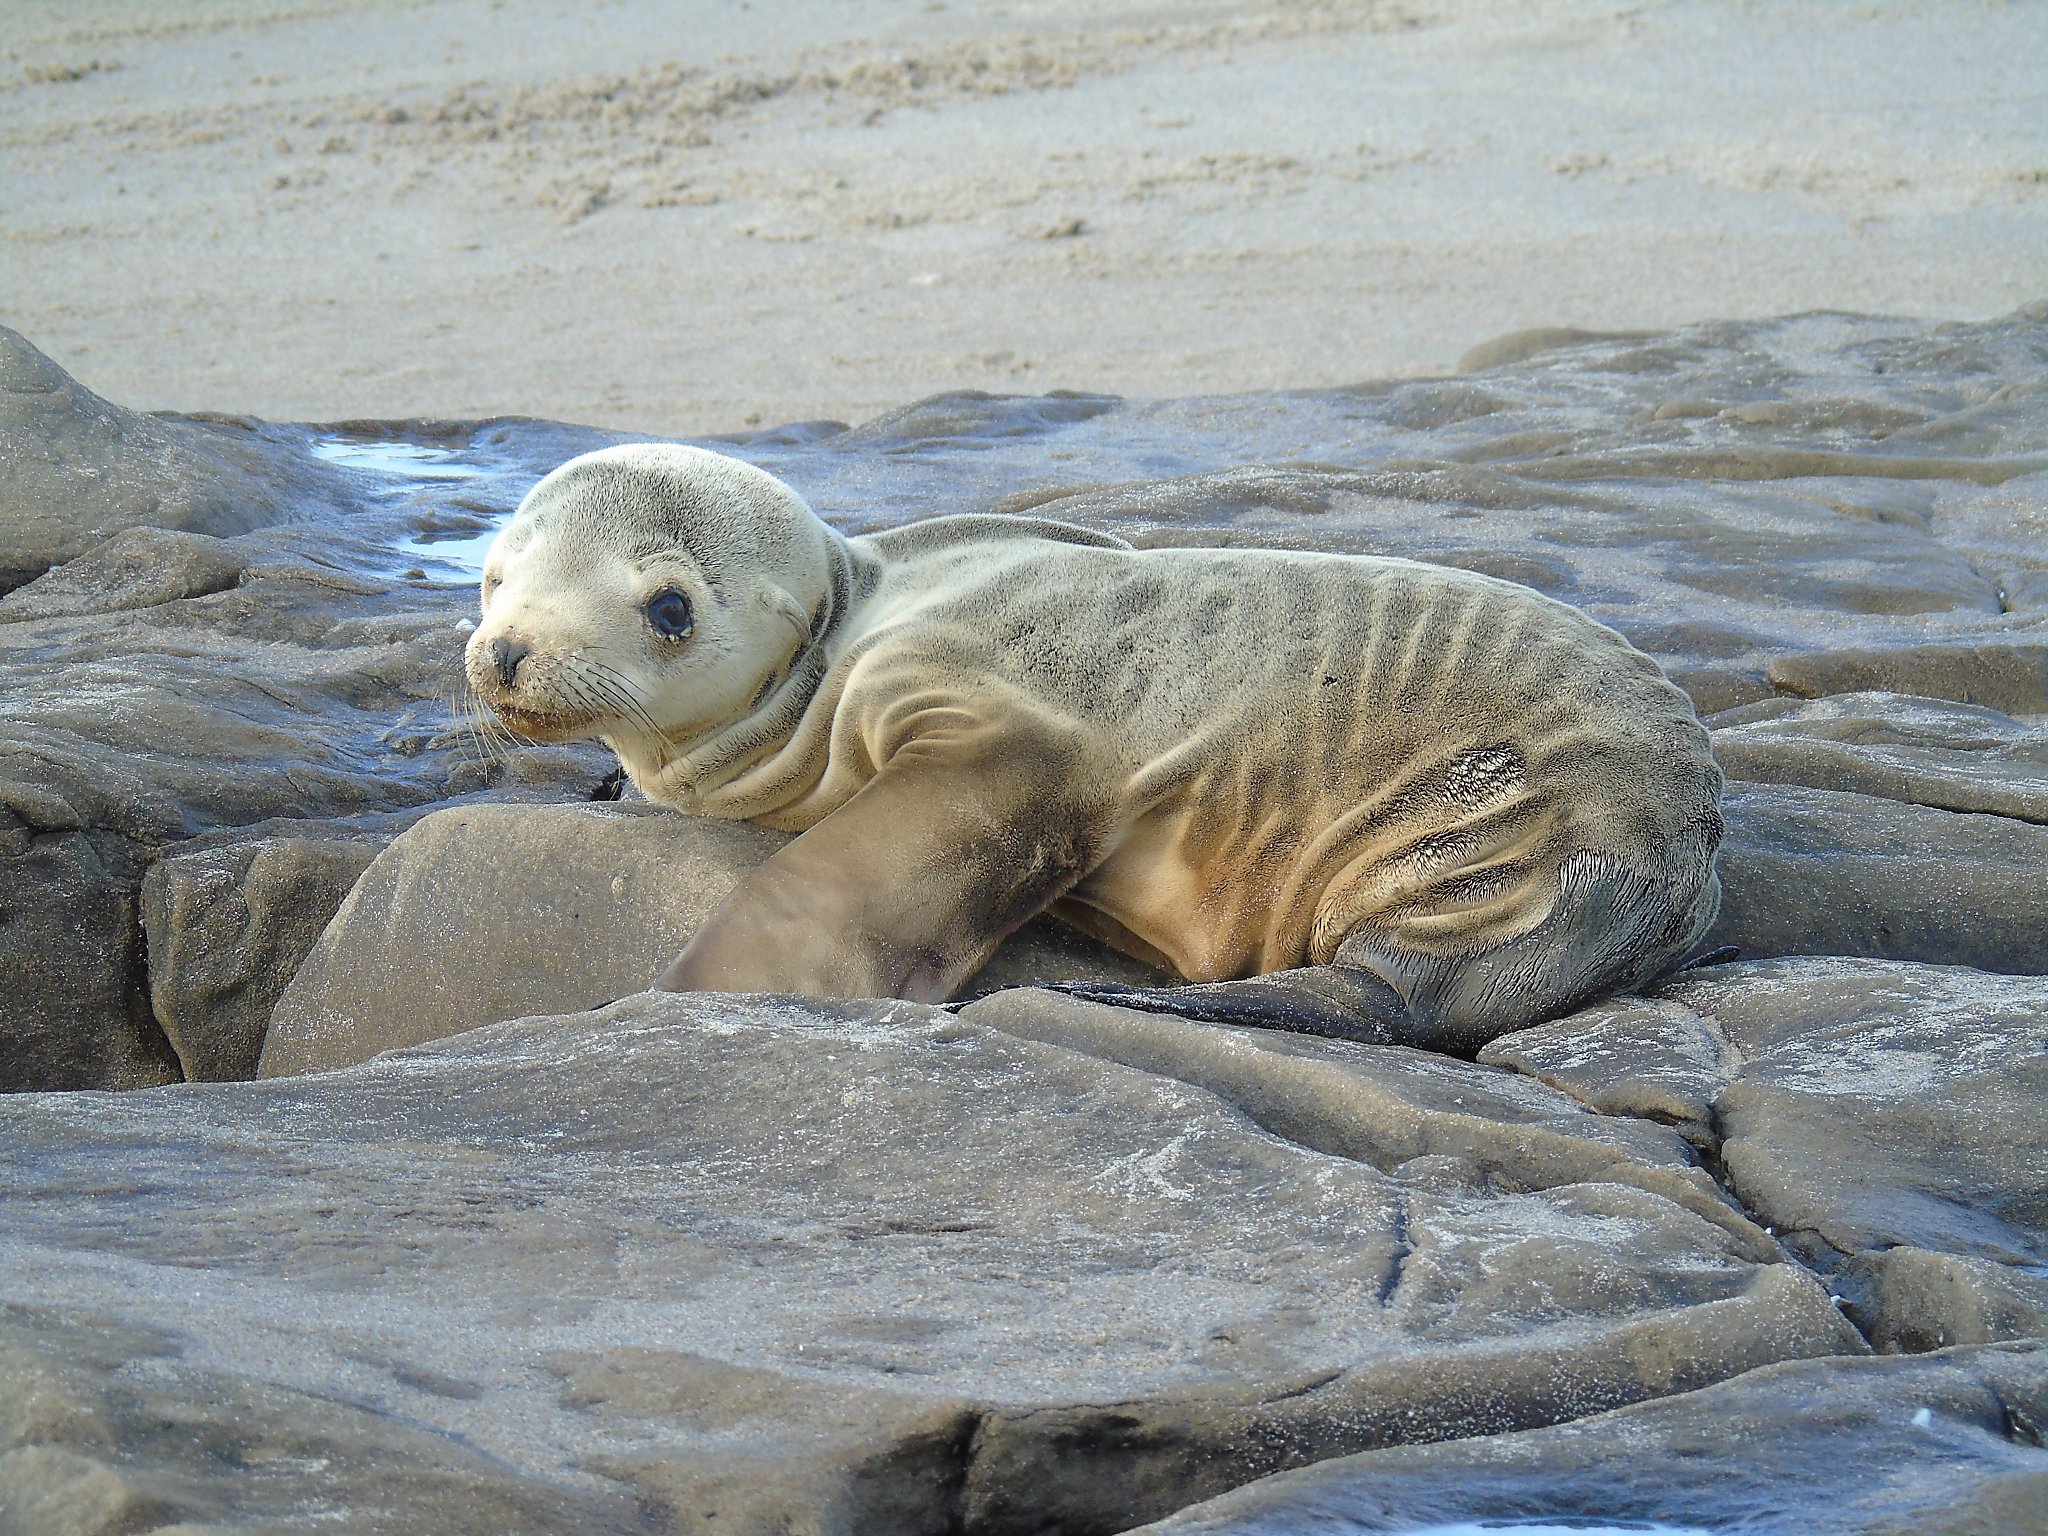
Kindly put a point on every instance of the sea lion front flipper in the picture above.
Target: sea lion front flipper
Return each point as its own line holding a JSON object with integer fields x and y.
{"x": 906, "y": 889}
{"x": 1338, "y": 1001}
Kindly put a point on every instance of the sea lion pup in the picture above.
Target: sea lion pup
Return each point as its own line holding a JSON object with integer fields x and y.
{"x": 1438, "y": 805}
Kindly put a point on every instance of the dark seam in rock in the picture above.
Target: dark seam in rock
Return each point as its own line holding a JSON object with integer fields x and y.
{"x": 961, "y": 1453}
{"x": 1404, "y": 1247}
{"x": 272, "y": 693}
{"x": 2019, "y": 1425}
{"x": 141, "y": 1006}
{"x": 1133, "y": 1408}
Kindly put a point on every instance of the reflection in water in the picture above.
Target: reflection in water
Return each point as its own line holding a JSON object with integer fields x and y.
{"x": 1564, "y": 1526}
{"x": 465, "y": 532}
{"x": 413, "y": 461}
{"x": 460, "y": 548}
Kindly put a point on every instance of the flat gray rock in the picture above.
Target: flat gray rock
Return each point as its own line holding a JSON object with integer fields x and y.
{"x": 1942, "y": 1445}
{"x": 765, "y": 1266}
{"x": 1886, "y": 1120}
{"x": 493, "y": 912}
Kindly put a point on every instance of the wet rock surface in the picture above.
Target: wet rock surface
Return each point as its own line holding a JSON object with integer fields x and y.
{"x": 1940, "y": 1445}
{"x": 798, "y": 1263}
{"x": 730, "y": 1264}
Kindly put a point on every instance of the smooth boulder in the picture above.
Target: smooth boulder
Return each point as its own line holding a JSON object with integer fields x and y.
{"x": 482, "y": 913}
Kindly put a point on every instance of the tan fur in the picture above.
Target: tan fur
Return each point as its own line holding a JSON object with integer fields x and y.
{"x": 1233, "y": 761}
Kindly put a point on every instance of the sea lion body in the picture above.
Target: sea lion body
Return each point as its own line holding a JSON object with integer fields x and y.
{"x": 1227, "y": 762}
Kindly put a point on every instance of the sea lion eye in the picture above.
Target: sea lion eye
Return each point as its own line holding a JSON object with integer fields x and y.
{"x": 668, "y": 611}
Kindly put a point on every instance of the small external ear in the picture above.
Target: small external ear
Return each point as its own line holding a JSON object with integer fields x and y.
{"x": 784, "y": 607}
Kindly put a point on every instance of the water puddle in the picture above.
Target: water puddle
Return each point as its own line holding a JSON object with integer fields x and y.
{"x": 406, "y": 461}
{"x": 464, "y": 550}
{"x": 1563, "y": 1526}
{"x": 449, "y": 535}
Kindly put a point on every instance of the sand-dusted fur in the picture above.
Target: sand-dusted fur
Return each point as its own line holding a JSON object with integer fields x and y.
{"x": 1229, "y": 762}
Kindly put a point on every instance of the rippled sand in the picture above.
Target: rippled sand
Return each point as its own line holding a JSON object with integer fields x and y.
{"x": 334, "y": 208}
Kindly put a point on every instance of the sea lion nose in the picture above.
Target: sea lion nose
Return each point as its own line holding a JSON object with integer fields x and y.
{"x": 506, "y": 656}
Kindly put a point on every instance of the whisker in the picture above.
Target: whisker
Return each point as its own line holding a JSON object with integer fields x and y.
{"x": 617, "y": 688}
{"x": 621, "y": 702}
{"x": 492, "y": 740}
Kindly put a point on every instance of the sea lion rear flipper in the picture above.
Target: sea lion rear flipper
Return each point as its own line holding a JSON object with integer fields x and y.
{"x": 1337, "y": 1001}
{"x": 906, "y": 889}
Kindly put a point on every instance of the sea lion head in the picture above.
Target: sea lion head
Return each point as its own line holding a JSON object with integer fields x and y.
{"x": 647, "y": 592}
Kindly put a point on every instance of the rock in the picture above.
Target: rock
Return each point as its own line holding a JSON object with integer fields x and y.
{"x": 299, "y": 693}
{"x": 76, "y": 469}
{"x": 228, "y": 921}
{"x": 73, "y": 1012}
{"x": 1943, "y": 1445}
{"x": 496, "y": 912}
{"x": 104, "y": 1440}
{"x": 1917, "y": 1300}
{"x": 2009, "y": 675}
{"x": 1820, "y": 872}
{"x": 57, "y": 1492}
{"x": 1386, "y": 1105}
{"x": 136, "y": 568}
{"x": 766, "y": 1265}
{"x": 1932, "y": 752}
{"x": 1885, "y": 1120}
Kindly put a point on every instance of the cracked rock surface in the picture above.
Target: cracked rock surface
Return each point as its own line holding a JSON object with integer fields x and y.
{"x": 780, "y": 1260}
{"x": 1889, "y": 1122}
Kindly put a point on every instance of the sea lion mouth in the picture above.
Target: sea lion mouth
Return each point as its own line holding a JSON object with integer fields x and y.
{"x": 540, "y": 724}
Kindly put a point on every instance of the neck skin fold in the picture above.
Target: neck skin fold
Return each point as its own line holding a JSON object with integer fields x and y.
{"x": 701, "y": 773}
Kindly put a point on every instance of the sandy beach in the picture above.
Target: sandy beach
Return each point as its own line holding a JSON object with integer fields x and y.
{"x": 685, "y": 219}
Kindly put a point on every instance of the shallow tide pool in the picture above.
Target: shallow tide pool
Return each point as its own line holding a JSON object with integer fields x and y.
{"x": 452, "y": 537}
